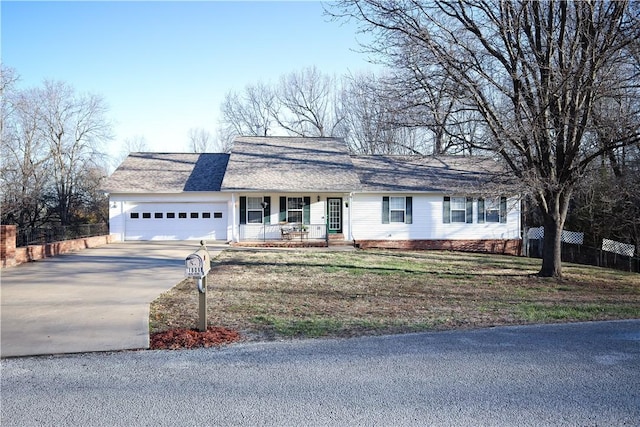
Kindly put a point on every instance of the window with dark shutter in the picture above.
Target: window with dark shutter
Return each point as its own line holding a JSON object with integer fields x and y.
{"x": 267, "y": 210}
{"x": 480, "y": 211}
{"x": 503, "y": 210}
{"x": 243, "y": 210}
{"x": 385, "y": 210}
{"x": 397, "y": 209}
{"x": 283, "y": 209}
{"x": 254, "y": 210}
{"x": 306, "y": 211}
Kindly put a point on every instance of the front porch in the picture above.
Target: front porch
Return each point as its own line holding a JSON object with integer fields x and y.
{"x": 287, "y": 235}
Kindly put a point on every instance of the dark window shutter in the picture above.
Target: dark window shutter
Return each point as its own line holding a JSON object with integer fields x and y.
{"x": 446, "y": 210}
{"x": 306, "y": 211}
{"x": 243, "y": 210}
{"x": 480, "y": 211}
{"x": 409, "y": 210}
{"x": 503, "y": 209}
{"x": 469, "y": 210}
{"x": 385, "y": 210}
{"x": 283, "y": 209}
{"x": 267, "y": 210}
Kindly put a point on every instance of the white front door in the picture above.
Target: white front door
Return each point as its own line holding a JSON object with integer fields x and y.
{"x": 334, "y": 215}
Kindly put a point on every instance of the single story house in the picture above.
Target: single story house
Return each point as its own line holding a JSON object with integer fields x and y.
{"x": 311, "y": 189}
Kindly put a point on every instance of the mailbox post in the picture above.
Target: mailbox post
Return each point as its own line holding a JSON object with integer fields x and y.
{"x": 197, "y": 265}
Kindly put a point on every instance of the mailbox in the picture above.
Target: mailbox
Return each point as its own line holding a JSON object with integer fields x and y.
{"x": 197, "y": 264}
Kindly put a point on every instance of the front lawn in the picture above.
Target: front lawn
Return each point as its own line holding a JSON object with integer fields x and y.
{"x": 267, "y": 294}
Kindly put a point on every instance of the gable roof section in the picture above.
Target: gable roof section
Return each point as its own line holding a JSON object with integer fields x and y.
{"x": 168, "y": 173}
{"x": 425, "y": 173}
{"x": 290, "y": 164}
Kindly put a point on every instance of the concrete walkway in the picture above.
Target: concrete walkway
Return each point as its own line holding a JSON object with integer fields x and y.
{"x": 93, "y": 300}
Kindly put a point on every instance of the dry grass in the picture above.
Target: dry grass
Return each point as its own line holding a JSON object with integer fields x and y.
{"x": 306, "y": 293}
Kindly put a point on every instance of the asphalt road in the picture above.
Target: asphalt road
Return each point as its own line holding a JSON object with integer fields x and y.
{"x": 584, "y": 374}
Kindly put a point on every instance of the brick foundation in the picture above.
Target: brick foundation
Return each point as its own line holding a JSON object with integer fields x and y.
{"x": 8, "y": 245}
{"x": 12, "y": 256}
{"x": 282, "y": 244}
{"x": 507, "y": 247}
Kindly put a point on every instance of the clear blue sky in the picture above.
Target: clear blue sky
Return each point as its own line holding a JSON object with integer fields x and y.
{"x": 164, "y": 67}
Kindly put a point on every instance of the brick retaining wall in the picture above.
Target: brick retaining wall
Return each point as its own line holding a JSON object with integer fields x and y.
{"x": 507, "y": 247}
{"x": 12, "y": 256}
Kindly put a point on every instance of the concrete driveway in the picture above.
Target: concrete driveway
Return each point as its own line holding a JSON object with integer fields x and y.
{"x": 93, "y": 300}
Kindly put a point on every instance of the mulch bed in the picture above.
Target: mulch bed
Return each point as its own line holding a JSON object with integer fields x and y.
{"x": 175, "y": 339}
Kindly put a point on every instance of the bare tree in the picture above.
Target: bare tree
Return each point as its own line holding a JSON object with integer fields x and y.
{"x": 74, "y": 127}
{"x": 306, "y": 101}
{"x": 250, "y": 112}
{"x": 200, "y": 140}
{"x": 25, "y": 162}
{"x": 532, "y": 71}
{"x": 373, "y": 121}
{"x": 224, "y": 140}
{"x": 134, "y": 144}
{"x": 24, "y": 157}
{"x": 51, "y": 138}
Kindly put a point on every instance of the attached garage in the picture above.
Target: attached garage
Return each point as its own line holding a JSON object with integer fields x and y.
{"x": 176, "y": 221}
{"x": 169, "y": 196}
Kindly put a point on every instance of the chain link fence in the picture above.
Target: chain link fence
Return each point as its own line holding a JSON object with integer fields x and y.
{"x": 42, "y": 235}
{"x": 611, "y": 254}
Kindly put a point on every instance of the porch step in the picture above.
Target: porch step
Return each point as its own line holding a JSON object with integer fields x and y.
{"x": 338, "y": 240}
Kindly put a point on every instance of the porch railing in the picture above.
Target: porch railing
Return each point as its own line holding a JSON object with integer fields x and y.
{"x": 257, "y": 232}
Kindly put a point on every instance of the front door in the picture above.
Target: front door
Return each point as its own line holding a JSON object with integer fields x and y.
{"x": 334, "y": 215}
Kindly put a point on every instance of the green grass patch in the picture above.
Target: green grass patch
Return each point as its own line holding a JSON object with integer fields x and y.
{"x": 269, "y": 294}
{"x": 312, "y": 328}
{"x": 533, "y": 312}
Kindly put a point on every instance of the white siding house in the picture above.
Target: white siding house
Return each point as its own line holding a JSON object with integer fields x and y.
{"x": 312, "y": 191}
{"x": 428, "y": 220}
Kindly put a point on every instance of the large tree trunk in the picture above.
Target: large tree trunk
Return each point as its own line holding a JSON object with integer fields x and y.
{"x": 554, "y": 206}
{"x": 552, "y": 248}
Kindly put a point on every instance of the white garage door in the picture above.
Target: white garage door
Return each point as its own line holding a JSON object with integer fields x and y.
{"x": 177, "y": 221}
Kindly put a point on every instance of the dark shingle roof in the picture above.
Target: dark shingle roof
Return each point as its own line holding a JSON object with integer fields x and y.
{"x": 425, "y": 173}
{"x": 168, "y": 173}
{"x": 290, "y": 164}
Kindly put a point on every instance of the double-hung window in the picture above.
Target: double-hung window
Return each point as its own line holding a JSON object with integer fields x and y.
{"x": 457, "y": 209}
{"x": 254, "y": 210}
{"x": 295, "y": 209}
{"x": 397, "y": 210}
{"x": 492, "y": 210}
{"x": 295, "y": 206}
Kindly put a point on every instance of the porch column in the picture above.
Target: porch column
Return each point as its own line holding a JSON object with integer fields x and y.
{"x": 350, "y": 235}
{"x": 234, "y": 220}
